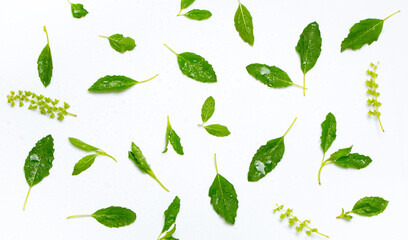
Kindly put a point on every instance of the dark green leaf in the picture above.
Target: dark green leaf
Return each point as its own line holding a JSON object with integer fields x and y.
{"x": 197, "y": 14}
{"x": 370, "y": 206}
{"x": 115, "y": 217}
{"x": 81, "y": 145}
{"x": 271, "y": 76}
{"x": 185, "y": 3}
{"x": 365, "y": 32}
{"x": 224, "y": 198}
{"x": 175, "y": 142}
{"x": 84, "y": 164}
{"x": 208, "y": 109}
{"x": 340, "y": 153}
{"x": 39, "y": 161}
{"x": 196, "y": 67}
{"x": 309, "y": 46}
{"x": 243, "y": 24}
{"x": 120, "y": 43}
{"x": 138, "y": 158}
{"x": 78, "y": 10}
{"x": 328, "y": 132}
{"x": 266, "y": 159}
{"x": 171, "y": 214}
{"x": 354, "y": 160}
{"x": 217, "y": 130}
{"x": 44, "y": 63}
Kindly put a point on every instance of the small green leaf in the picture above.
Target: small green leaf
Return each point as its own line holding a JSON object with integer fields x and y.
{"x": 185, "y": 4}
{"x": 81, "y": 145}
{"x": 198, "y": 14}
{"x": 217, "y": 130}
{"x": 78, "y": 10}
{"x": 169, "y": 234}
{"x": 173, "y": 138}
{"x": 114, "y": 84}
{"x": 370, "y": 206}
{"x": 120, "y": 43}
{"x": 273, "y": 76}
{"x": 84, "y": 164}
{"x": 354, "y": 160}
{"x": 244, "y": 25}
{"x": 223, "y": 197}
{"x": 340, "y": 153}
{"x": 171, "y": 214}
{"x": 113, "y": 217}
{"x": 208, "y": 109}
{"x": 44, "y": 63}
{"x": 328, "y": 132}
{"x": 267, "y": 158}
{"x": 39, "y": 162}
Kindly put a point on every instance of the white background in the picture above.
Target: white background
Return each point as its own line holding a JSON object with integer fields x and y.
{"x": 253, "y": 112}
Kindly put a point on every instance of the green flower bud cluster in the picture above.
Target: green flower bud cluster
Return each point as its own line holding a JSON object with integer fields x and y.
{"x": 45, "y": 105}
{"x": 372, "y": 90}
{"x": 294, "y": 221}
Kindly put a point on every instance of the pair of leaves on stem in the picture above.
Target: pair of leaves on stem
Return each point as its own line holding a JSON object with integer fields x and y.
{"x": 273, "y": 77}
{"x": 38, "y": 163}
{"x": 113, "y": 217}
{"x": 267, "y": 157}
{"x": 309, "y": 48}
{"x": 120, "y": 43}
{"x": 372, "y": 91}
{"x": 364, "y": 32}
{"x": 367, "y": 207}
{"x": 243, "y": 24}
{"x": 207, "y": 111}
{"x": 140, "y": 161}
{"x": 343, "y": 157}
{"x": 170, "y": 216}
{"x": 78, "y": 10}
{"x": 195, "y": 67}
{"x": 87, "y": 161}
{"x": 173, "y": 138}
{"x": 115, "y": 83}
{"x": 294, "y": 221}
{"x": 223, "y": 197}
{"x": 44, "y": 63}
{"x": 45, "y": 105}
{"x": 195, "y": 14}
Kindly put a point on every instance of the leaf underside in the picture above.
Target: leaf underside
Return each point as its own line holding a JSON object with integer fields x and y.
{"x": 224, "y": 198}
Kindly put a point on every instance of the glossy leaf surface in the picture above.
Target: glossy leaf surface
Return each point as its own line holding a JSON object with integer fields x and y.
{"x": 309, "y": 46}
{"x": 196, "y": 67}
{"x": 273, "y": 76}
{"x": 244, "y": 25}
{"x": 115, "y": 217}
{"x": 354, "y": 160}
{"x": 78, "y": 10}
{"x": 370, "y": 206}
{"x": 224, "y": 198}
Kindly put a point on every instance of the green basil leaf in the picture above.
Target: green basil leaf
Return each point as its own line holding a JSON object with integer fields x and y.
{"x": 273, "y": 76}
{"x": 39, "y": 162}
{"x": 169, "y": 234}
{"x": 78, "y": 10}
{"x": 224, "y": 198}
{"x": 365, "y": 32}
{"x": 244, "y": 25}
{"x": 208, "y": 109}
{"x": 217, "y": 130}
{"x": 115, "y": 84}
{"x": 81, "y": 145}
{"x": 197, "y": 14}
{"x": 328, "y": 132}
{"x": 185, "y": 4}
{"x": 370, "y": 206}
{"x": 170, "y": 215}
{"x": 340, "y": 153}
{"x": 84, "y": 164}
{"x": 115, "y": 217}
{"x": 309, "y": 46}
{"x": 354, "y": 160}
{"x": 175, "y": 142}
{"x": 44, "y": 63}
{"x": 120, "y": 43}
{"x": 266, "y": 159}
{"x": 138, "y": 158}
{"x": 196, "y": 67}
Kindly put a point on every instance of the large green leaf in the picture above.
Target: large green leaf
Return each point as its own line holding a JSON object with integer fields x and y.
{"x": 370, "y": 206}
{"x": 196, "y": 67}
{"x": 309, "y": 46}
{"x": 170, "y": 214}
{"x": 224, "y": 198}
{"x": 244, "y": 25}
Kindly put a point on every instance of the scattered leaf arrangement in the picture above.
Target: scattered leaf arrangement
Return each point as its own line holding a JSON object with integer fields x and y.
{"x": 342, "y": 158}
{"x": 87, "y": 161}
{"x": 195, "y": 14}
{"x": 222, "y": 193}
{"x": 206, "y": 113}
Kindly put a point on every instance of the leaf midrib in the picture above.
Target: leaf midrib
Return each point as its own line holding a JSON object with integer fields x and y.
{"x": 243, "y": 17}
